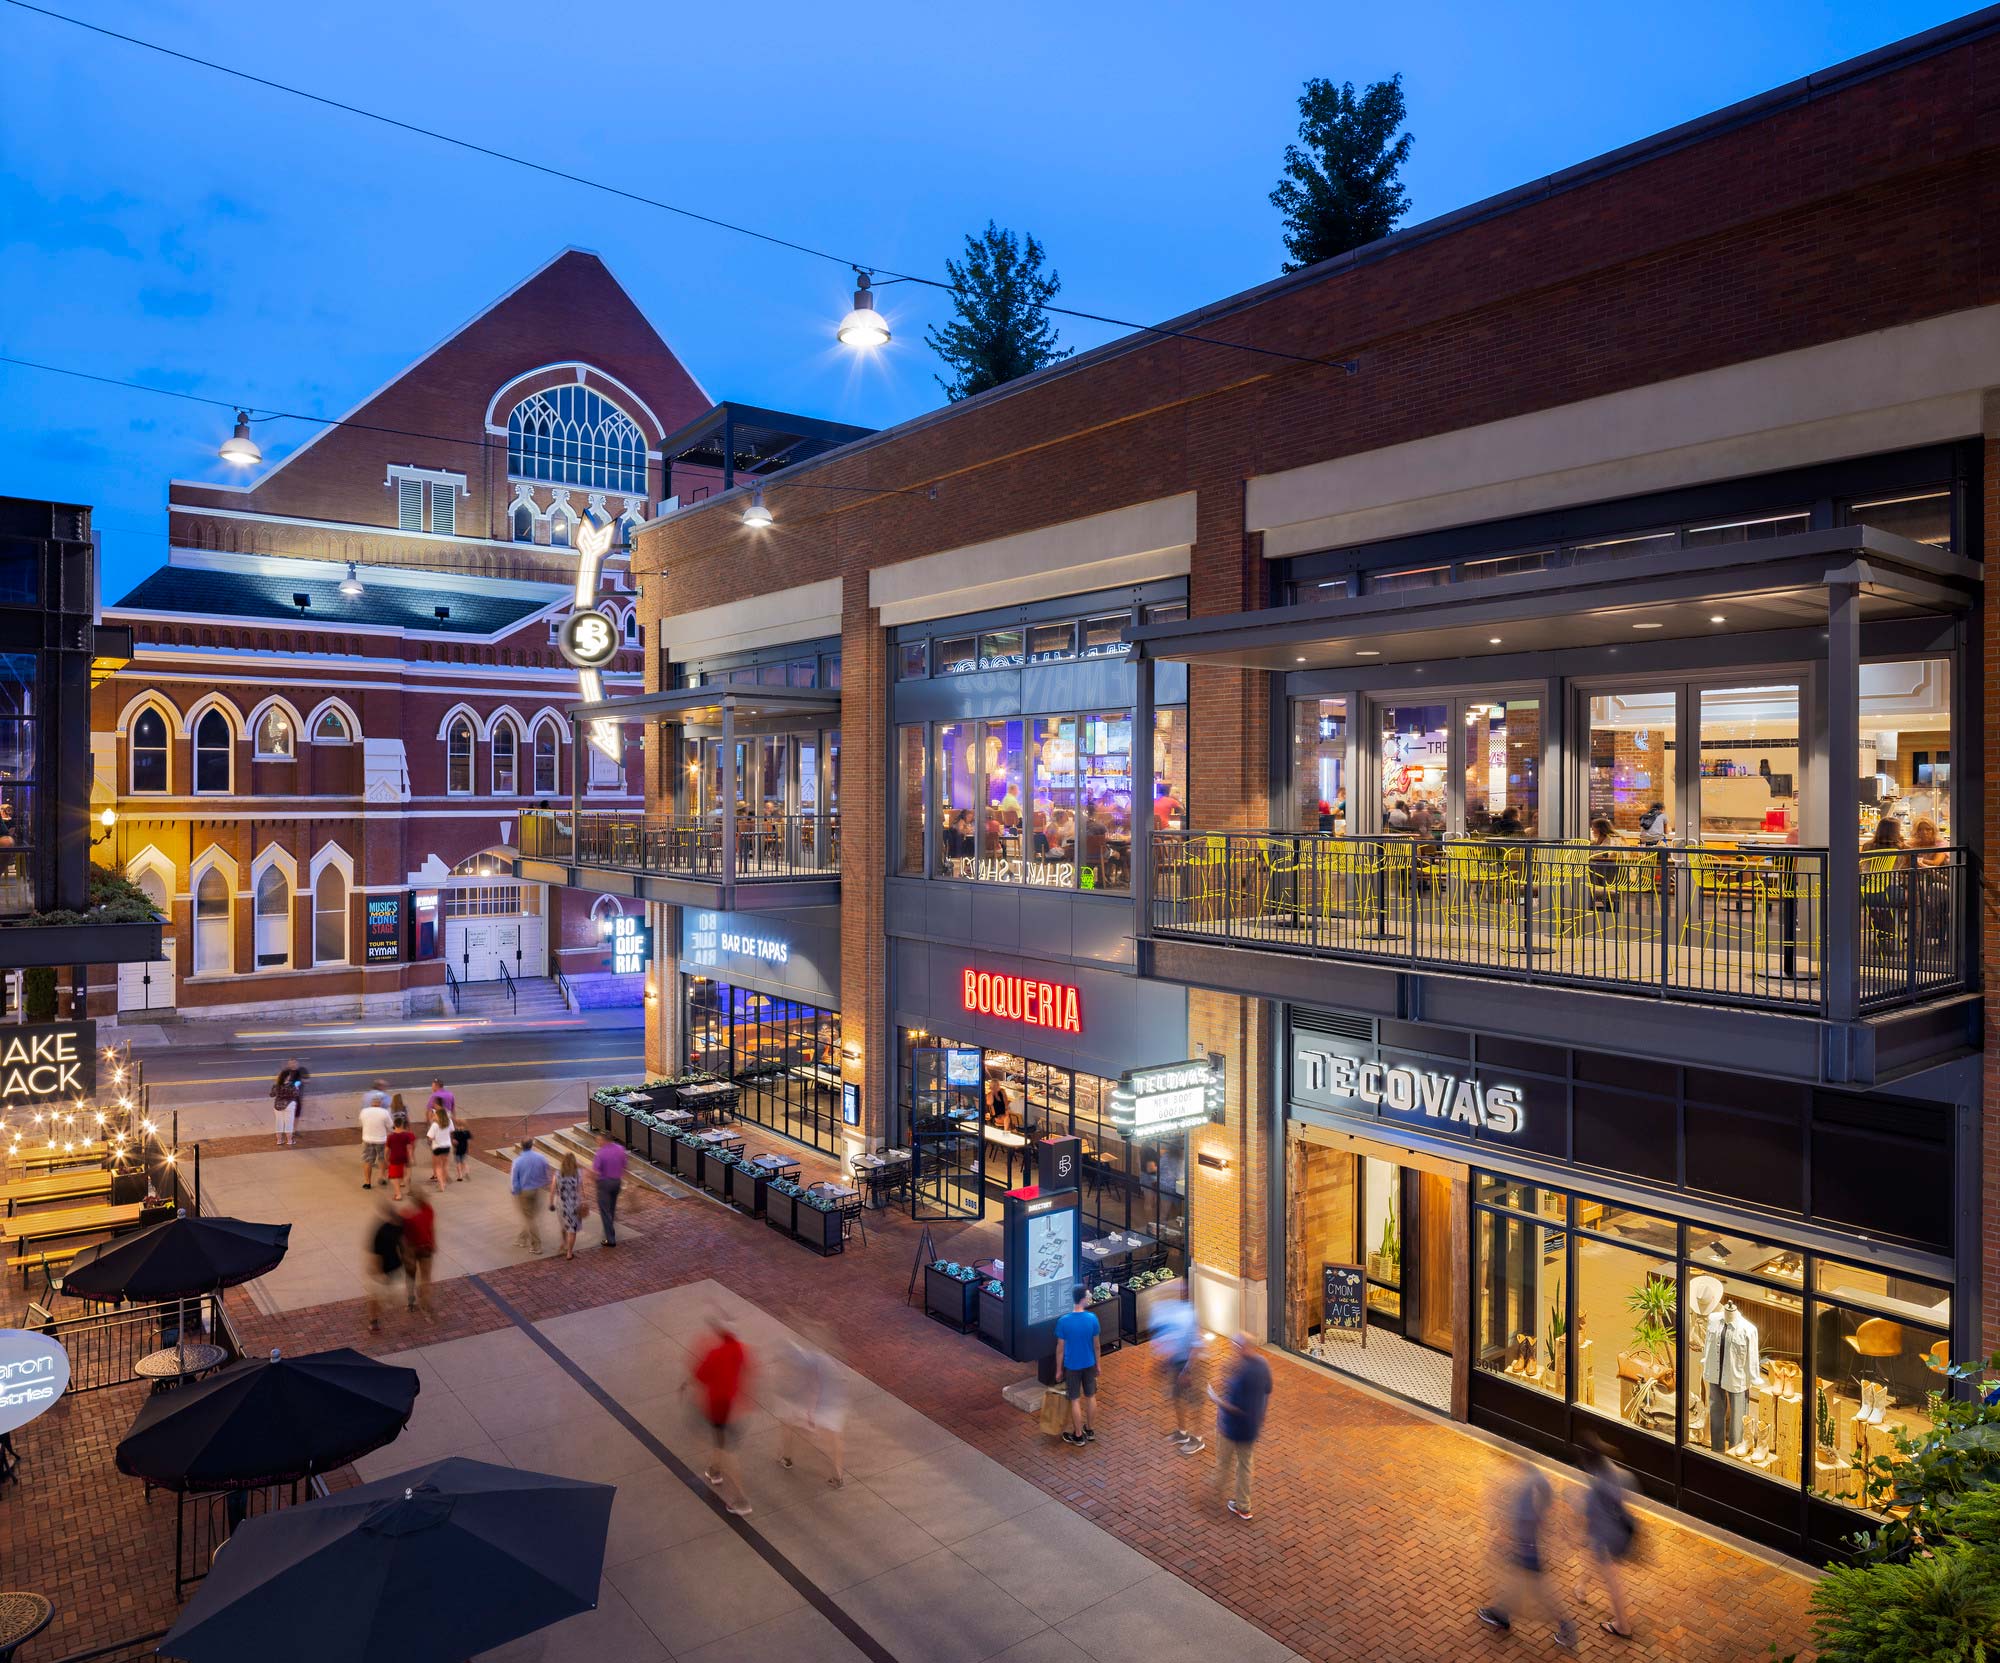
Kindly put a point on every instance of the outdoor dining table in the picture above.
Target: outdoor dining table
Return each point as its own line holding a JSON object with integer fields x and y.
{"x": 56, "y": 1186}
{"x": 175, "y": 1363}
{"x": 70, "y": 1221}
{"x": 880, "y": 1173}
{"x": 22, "y": 1616}
{"x": 1116, "y": 1245}
{"x": 42, "y": 1157}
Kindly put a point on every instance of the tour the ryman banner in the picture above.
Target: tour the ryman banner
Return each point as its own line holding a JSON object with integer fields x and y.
{"x": 44, "y": 1062}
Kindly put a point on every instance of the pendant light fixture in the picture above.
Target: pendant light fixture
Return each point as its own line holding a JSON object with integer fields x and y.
{"x": 240, "y": 448}
{"x": 757, "y": 514}
{"x": 864, "y": 326}
{"x": 351, "y": 585}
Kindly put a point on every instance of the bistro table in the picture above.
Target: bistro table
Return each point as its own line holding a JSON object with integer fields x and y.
{"x": 712, "y": 1098}
{"x": 1015, "y": 1143}
{"x": 22, "y": 1617}
{"x": 774, "y": 1166}
{"x": 882, "y": 1173}
{"x": 68, "y": 1221}
{"x": 57, "y": 1186}
{"x": 1116, "y": 1245}
{"x": 44, "y": 1158}
{"x": 175, "y": 1363}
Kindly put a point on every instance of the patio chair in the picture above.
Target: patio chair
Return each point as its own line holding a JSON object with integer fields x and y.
{"x": 853, "y": 1219}
{"x": 1722, "y": 887}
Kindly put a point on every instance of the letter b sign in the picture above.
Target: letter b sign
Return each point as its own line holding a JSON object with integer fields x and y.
{"x": 588, "y": 640}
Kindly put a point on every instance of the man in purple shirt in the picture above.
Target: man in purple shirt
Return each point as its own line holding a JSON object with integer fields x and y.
{"x": 608, "y": 1168}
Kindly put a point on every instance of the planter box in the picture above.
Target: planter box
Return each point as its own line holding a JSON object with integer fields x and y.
{"x": 992, "y": 1319}
{"x": 1109, "y": 1338}
{"x": 822, "y": 1232}
{"x": 1135, "y": 1310}
{"x": 599, "y": 1116}
{"x": 952, "y": 1302}
{"x": 680, "y": 1158}
{"x": 780, "y": 1210}
{"x": 744, "y": 1189}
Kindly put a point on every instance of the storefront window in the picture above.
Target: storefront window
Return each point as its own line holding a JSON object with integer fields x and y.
{"x": 956, "y": 654}
{"x": 1169, "y": 770}
{"x": 1874, "y": 1378}
{"x": 1001, "y": 649}
{"x": 1523, "y": 1313}
{"x": 1051, "y": 643}
{"x": 1001, "y": 826}
{"x": 1493, "y": 1190}
{"x": 1105, "y": 637}
{"x": 1632, "y": 757}
{"x": 1413, "y": 768}
{"x": 1627, "y": 1328}
{"x": 1105, "y": 775}
{"x": 910, "y": 800}
{"x": 1319, "y": 763}
{"x": 1750, "y": 762}
{"x": 956, "y": 774}
{"x": 1745, "y": 1343}
{"x": 1502, "y": 764}
{"x": 1906, "y": 749}
{"x": 783, "y": 1056}
{"x": 1052, "y": 829}
{"x": 913, "y": 661}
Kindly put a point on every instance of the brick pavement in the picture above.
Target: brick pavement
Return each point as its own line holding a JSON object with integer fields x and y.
{"x": 1370, "y": 1540}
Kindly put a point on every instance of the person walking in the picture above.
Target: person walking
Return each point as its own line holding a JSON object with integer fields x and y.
{"x": 1077, "y": 1337}
{"x": 376, "y": 1125}
{"x": 461, "y": 1136}
{"x": 527, "y": 1178}
{"x": 1176, "y": 1339}
{"x": 1609, "y": 1530}
{"x": 283, "y": 1106}
{"x": 813, "y": 1409}
{"x": 1523, "y": 1518}
{"x": 401, "y": 1141}
{"x": 440, "y": 1133}
{"x": 384, "y": 1260}
{"x": 419, "y": 1243}
{"x": 300, "y": 1074}
{"x": 461, "y": 1143}
{"x": 568, "y": 1196}
{"x": 607, "y": 1167}
{"x": 1239, "y": 1422}
{"x": 721, "y": 1366}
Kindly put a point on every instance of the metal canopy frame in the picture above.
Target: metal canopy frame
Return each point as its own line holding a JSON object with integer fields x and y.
{"x": 755, "y": 442}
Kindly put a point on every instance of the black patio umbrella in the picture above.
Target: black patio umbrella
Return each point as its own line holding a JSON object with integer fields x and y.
{"x": 177, "y": 1258}
{"x": 429, "y": 1566}
{"x": 268, "y": 1421}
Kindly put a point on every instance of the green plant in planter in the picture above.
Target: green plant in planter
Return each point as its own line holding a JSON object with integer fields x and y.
{"x": 1652, "y": 1308}
{"x": 38, "y": 994}
{"x": 1392, "y": 1244}
{"x": 1552, "y": 1342}
{"x": 1823, "y": 1429}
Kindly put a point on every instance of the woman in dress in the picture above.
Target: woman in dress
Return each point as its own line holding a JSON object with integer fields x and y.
{"x": 569, "y": 1197}
{"x": 440, "y": 1130}
{"x": 284, "y": 1107}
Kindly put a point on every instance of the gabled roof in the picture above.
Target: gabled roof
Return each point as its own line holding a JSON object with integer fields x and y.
{"x": 383, "y": 605}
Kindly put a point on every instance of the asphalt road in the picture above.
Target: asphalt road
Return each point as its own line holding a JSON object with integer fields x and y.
{"x": 343, "y": 1058}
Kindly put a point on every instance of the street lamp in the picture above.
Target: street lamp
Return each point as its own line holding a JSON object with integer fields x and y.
{"x": 757, "y": 514}
{"x": 864, "y": 326}
{"x": 107, "y": 818}
{"x": 239, "y": 447}
{"x": 351, "y": 586}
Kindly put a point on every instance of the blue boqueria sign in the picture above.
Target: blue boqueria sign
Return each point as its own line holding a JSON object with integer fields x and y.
{"x": 34, "y": 1371}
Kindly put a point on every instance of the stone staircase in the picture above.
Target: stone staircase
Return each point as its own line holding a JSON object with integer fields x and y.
{"x": 580, "y": 1141}
{"x": 538, "y": 997}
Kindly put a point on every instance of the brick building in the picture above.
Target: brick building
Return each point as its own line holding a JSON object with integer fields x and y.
{"x": 1527, "y": 719}
{"x": 346, "y": 684}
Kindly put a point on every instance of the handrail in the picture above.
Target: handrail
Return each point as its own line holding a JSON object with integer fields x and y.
{"x": 513, "y": 997}
{"x": 568, "y": 993}
{"x": 451, "y": 987}
{"x": 769, "y": 847}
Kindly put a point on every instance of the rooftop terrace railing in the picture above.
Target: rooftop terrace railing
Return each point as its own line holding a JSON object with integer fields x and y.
{"x": 768, "y": 846}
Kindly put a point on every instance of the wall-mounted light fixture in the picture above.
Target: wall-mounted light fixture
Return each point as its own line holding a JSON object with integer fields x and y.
{"x": 1213, "y": 1160}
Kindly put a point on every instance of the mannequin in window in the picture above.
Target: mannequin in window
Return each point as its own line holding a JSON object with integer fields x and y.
{"x": 1729, "y": 1364}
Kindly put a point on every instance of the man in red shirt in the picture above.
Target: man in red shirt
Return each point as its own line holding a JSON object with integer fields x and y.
{"x": 419, "y": 1243}
{"x": 720, "y": 1367}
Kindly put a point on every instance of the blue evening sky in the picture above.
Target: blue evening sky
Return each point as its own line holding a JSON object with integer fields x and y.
{"x": 162, "y": 223}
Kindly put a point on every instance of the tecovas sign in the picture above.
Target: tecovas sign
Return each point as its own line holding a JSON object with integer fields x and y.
{"x": 45, "y": 1061}
{"x": 1399, "y": 1088}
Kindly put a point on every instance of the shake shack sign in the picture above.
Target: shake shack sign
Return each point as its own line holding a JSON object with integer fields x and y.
{"x": 46, "y": 1061}
{"x": 1326, "y": 1078}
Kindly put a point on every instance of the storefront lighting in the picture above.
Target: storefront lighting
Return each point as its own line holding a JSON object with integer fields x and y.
{"x": 757, "y": 514}
{"x": 1213, "y": 1161}
{"x": 864, "y": 326}
{"x": 1367, "y": 652}
{"x": 1493, "y": 640}
{"x": 1718, "y": 619}
{"x": 351, "y": 586}
{"x": 1649, "y": 626}
{"x": 239, "y": 447}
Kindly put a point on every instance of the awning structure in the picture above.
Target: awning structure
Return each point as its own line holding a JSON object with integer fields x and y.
{"x": 1780, "y": 584}
{"x": 749, "y": 709}
{"x": 748, "y": 440}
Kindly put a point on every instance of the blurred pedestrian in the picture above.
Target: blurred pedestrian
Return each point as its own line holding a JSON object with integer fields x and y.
{"x": 527, "y": 1178}
{"x": 1239, "y": 1422}
{"x": 300, "y": 1074}
{"x": 607, "y": 1166}
{"x": 568, "y": 1197}
{"x": 284, "y": 1106}
{"x": 1525, "y": 1500}
{"x": 401, "y": 1142}
{"x": 376, "y": 1125}
{"x": 440, "y": 1133}
{"x": 813, "y": 1408}
{"x": 461, "y": 1134}
{"x": 419, "y": 1243}
{"x": 1077, "y": 1336}
{"x": 1176, "y": 1339}
{"x": 1609, "y": 1530}
{"x": 385, "y": 1260}
{"x": 721, "y": 1366}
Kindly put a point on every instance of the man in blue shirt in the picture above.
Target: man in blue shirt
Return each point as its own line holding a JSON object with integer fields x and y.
{"x": 529, "y": 1178}
{"x": 1076, "y": 1366}
{"x": 1239, "y": 1418}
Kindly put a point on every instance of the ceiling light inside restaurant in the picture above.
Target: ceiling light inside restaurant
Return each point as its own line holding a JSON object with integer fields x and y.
{"x": 1718, "y": 619}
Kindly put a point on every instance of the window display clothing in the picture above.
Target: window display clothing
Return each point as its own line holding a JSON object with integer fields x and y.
{"x": 1729, "y": 1363}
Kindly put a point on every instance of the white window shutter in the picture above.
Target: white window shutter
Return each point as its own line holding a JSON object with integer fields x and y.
{"x": 444, "y": 507}
{"x": 410, "y": 504}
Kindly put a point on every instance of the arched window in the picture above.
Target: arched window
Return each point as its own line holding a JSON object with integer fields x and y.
{"x": 602, "y": 911}
{"x": 211, "y": 924}
{"x": 274, "y": 920}
{"x": 154, "y": 888}
{"x": 149, "y": 751}
{"x": 458, "y": 757}
{"x": 331, "y": 729}
{"x": 575, "y": 436}
{"x": 560, "y": 522}
{"x": 632, "y": 627}
{"x": 330, "y": 917}
{"x": 548, "y": 772}
{"x": 524, "y": 523}
{"x": 503, "y": 759}
{"x": 275, "y": 739}
{"x": 212, "y": 745}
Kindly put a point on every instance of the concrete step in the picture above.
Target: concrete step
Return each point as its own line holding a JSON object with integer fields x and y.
{"x": 580, "y": 1141}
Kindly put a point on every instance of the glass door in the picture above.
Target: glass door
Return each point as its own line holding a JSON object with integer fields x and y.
{"x": 1630, "y": 761}
{"x": 1751, "y": 764}
{"x": 1500, "y": 766}
{"x": 1486, "y": 782}
{"x": 1415, "y": 768}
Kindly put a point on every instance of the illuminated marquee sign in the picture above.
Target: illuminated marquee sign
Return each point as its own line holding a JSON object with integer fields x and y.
{"x": 33, "y": 1372}
{"x": 44, "y": 1061}
{"x": 1401, "y": 1089}
{"x": 631, "y": 946}
{"x": 707, "y": 936}
{"x": 1023, "y": 999}
{"x": 1155, "y": 1102}
{"x": 587, "y": 638}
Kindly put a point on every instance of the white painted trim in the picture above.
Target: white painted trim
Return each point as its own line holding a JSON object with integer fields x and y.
{"x": 801, "y": 613}
{"x": 577, "y": 369}
{"x": 255, "y": 722}
{"x": 330, "y": 854}
{"x": 206, "y": 660}
{"x": 356, "y": 526}
{"x": 168, "y": 709}
{"x": 1916, "y": 384}
{"x": 383, "y": 572}
{"x": 219, "y": 701}
{"x": 471, "y": 715}
{"x": 342, "y": 709}
{"x": 1136, "y": 544}
{"x": 153, "y": 859}
{"x": 429, "y": 476}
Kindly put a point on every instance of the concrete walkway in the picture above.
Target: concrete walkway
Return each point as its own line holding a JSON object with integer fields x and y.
{"x": 932, "y": 1551}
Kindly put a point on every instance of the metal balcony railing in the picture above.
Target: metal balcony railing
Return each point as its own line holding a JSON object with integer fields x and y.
{"x": 1707, "y": 925}
{"x": 768, "y": 846}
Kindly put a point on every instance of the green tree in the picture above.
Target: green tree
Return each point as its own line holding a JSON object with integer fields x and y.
{"x": 1000, "y": 331}
{"x": 1343, "y": 181}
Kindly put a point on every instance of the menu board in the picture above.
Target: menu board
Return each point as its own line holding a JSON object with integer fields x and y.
{"x": 1051, "y": 1265}
{"x": 384, "y": 934}
{"x": 1344, "y": 1301}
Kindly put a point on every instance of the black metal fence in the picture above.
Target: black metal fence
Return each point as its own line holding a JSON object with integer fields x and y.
{"x": 767, "y": 845}
{"x": 105, "y": 1346}
{"x": 1717, "y": 925}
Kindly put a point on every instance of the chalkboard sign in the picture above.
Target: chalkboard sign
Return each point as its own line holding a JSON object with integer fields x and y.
{"x": 1344, "y": 1299}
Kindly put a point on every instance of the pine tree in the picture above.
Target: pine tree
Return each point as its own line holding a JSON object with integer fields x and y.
{"x": 1342, "y": 184}
{"x": 1000, "y": 331}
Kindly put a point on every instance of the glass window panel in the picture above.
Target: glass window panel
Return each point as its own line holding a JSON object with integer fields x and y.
{"x": 1523, "y": 1314}
{"x": 1883, "y": 1290}
{"x": 503, "y": 757}
{"x": 1750, "y": 763}
{"x": 1503, "y": 757}
{"x": 1906, "y": 750}
{"x": 458, "y": 757}
{"x": 20, "y": 571}
{"x": 1169, "y": 769}
{"x": 1628, "y": 1225}
{"x": 1744, "y": 1345}
{"x": 1632, "y": 761}
{"x": 1874, "y": 1379}
{"x": 149, "y": 752}
{"x": 1924, "y": 517}
{"x": 1104, "y": 637}
{"x": 212, "y": 742}
{"x": 802, "y": 672}
{"x": 1104, "y": 777}
{"x": 1627, "y": 1325}
{"x": 1504, "y": 565}
{"x": 956, "y": 776}
{"x": 1052, "y": 820}
{"x": 1002, "y": 816}
{"x": 1319, "y": 763}
{"x": 547, "y": 759}
{"x": 773, "y": 675}
{"x": 1167, "y": 612}
{"x": 1497, "y": 1190}
{"x": 1414, "y": 758}
{"x": 1757, "y": 530}
{"x": 829, "y": 670}
{"x": 1720, "y": 1253}
{"x": 956, "y": 654}
{"x": 1000, "y": 649}
{"x": 330, "y": 917}
{"x": 1620, "y": 548}
{"x": 274, "y": 734}
{"x": 1325, "y": 589}
{"x": 1409, "y": 577}
{"x": 1050, "y": 643}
